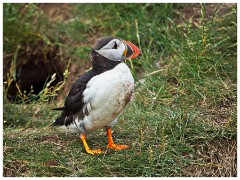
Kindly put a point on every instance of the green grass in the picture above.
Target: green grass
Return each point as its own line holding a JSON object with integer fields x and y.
{"x": 182, "y": 120}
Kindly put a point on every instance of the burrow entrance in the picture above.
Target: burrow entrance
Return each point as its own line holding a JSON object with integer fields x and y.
{"x": 31, "y": 69}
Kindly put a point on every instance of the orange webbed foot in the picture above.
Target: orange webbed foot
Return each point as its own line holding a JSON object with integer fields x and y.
{"x": 111, "y": 143}
{"x": 94, "y": 151}
{"x": 117, "y": 146}
{"x": 88, "y": 150}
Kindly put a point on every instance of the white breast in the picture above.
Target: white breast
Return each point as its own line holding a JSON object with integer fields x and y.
{"x": 106, "y": 95}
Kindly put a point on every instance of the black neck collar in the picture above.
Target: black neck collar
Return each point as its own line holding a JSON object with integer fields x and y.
{"x": 101, "y": 64}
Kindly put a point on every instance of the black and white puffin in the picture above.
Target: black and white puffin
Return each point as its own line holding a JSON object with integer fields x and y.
{"x": 99, "y": 95}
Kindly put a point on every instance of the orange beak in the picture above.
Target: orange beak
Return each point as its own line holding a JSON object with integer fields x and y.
{"x": 132, "y": 50}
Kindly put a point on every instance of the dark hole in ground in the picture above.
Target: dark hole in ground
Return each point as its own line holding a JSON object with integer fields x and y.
{"x": 35, "y": 64}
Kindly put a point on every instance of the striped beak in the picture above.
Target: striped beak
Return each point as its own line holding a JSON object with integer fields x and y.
{"x": 132, "y": 50}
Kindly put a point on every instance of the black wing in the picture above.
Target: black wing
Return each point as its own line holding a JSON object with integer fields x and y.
{"x": 74, "y": 100}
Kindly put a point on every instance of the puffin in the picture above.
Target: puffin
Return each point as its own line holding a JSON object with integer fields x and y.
{"x": 99, "y": 95}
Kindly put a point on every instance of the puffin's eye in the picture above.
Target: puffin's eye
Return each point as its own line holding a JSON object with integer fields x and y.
{"x": 115, "y": 46}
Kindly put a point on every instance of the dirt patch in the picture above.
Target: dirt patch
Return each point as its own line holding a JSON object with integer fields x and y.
{"x": 57, "y": 12}
{"x": 14, "y": 168}
{"x": 217, "y": 158}
{"x": 51, "y": 162}
{"x": 55, "y": 140}
{"x": 193, "y": 11}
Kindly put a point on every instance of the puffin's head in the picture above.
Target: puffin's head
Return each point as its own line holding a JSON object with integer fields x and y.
{"x": 116, "y": 49}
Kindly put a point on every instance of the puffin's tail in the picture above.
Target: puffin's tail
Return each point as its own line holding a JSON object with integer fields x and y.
{"x": 59, "y": 109}
{"x": 60, "y": 121}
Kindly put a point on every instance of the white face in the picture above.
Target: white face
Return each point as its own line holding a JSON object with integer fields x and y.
{"x": 115, "y": 50}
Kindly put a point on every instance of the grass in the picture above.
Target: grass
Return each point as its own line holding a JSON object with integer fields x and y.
{"x": 182, "y": 120}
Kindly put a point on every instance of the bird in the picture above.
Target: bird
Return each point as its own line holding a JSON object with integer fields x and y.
{"x": 99, "y": 95}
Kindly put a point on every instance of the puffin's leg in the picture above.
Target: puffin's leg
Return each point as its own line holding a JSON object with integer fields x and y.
{"x": 90, "y": 151}
{"x": 111, "y": 143}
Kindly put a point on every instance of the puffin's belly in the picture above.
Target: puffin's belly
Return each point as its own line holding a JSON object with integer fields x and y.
{"x": 114, "y": 91}
{"x": 104, "y": 115}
